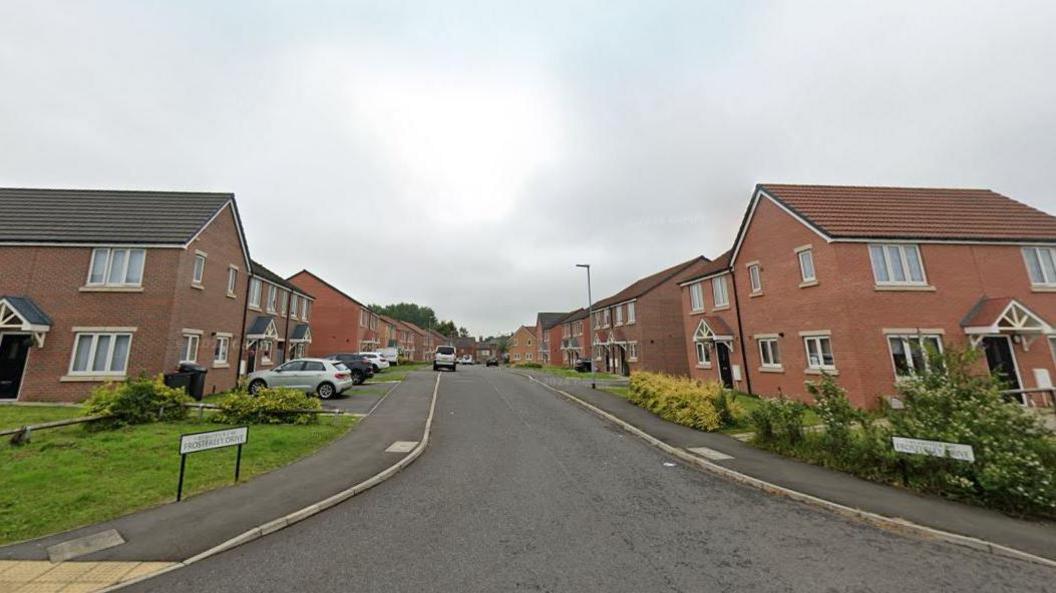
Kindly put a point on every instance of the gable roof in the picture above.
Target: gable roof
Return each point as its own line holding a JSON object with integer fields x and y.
{"x": 644, "y": 285}
{"x": 414, "y": 328}
{"x": 28, "y": 310}
{"x": 106, "y": 216}
{"x": 704, "y": 269}
{"x": 263, "y": 327}
{"x": 576, "y": 315}
{"x": 328, "y": 285}
{"x": 854, "y": 212}
{"x": 548, "y": 320}
{"x": 260, "y": 270}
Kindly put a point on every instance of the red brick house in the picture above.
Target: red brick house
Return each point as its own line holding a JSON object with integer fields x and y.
{"x": 101, "y": 285}
{"x": 277, "y": 321}
{"x": 466, "y": 347}
{"x": 417, "y": 342}
{"x": 523, "y": 345}
{"x": 860, "y": 282}
{"x": 575, "y": 337}
{"x": 640, "y": 327}
{"x": 340, "y": 323}
{"x": 710, "y": 324}
{"x": 549, "y": 350}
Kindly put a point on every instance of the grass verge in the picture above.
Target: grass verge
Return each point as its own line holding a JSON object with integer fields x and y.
{"x": 573, "y": 374}
{"x": 69, "y": 477}
{"x": 15, "y": 416}
{"x": 399, "y": 373}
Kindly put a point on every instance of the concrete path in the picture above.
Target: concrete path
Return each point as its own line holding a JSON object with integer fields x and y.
{"x": 519, "y": 490}
{"x": 1035, "y": 537}
{"x": 177, "y": 531}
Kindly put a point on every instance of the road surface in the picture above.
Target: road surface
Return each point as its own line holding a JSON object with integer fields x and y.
{"x": 522, "y": 491}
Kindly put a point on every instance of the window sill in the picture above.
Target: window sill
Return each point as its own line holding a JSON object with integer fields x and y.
{"x": 771, "y": 369}
{"x": 725, "y": 307}
{"x": 810, "y": 371}
{"x": 1042, "y": 288}
{"x": 221, "y": 365}
{"x": 703, "y": 366}
{"x": 808, "y": 283}
{"x": 197, "y": 287}
{"x": 111, "y": 289}
{"x": 232, "y": 295}
{"x": 91, "y": 378}
{"x": 904, "y": 288}
{"x": 253, "y": 307}
{"x": 752, "y": 295}
{"x": 697, "y": 312}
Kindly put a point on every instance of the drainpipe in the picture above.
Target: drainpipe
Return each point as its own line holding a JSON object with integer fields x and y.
{"x": 242, "y": 336}
{"x": 286, "y": 330}
{"x": 740, "y": 332}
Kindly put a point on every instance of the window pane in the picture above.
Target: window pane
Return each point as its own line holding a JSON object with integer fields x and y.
{"x": 826, "y": 351}
{"x": 120, "y": 359}
{"x": 97, "y": 274}
{"x": 718, "y": 289}
{"x": 1047, "y": 265}
{"x": 135, "y": 267}
{"x": 898, "y": 356}
{"x": 894, "y": 259}
{"x": 916, "y": 350}
{"x": 102, "y": 352}
{"x": 314, "y": 366}
{"x": 117, "y": 267}
{"x": 82, "y": 350}
{"x": 916, "y": 270}
{"x": 806, "y": 265}
{"x": 1033, "y": 265}
{"x": 199, "y": 268}
{"x": 876, "y": 255}
{"x": 232, "y": 280}
{"x": 775, "y": 352}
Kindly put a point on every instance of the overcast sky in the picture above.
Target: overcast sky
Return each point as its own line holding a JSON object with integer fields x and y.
{"x": 469, "y": 154}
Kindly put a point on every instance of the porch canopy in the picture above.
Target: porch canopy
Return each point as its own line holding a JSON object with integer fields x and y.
{"x": 302, "y": 334}
{"x": 263, "y": 328}
{"x": 21, "y": 314}
{"x": 712, "y": 329}
{"x": 1003, "y": 316}
{"x": 608, "y": 338}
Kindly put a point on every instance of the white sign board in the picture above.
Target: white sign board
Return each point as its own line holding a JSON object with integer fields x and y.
{"x": 203, "y": 441}
{"x": 934, "y": 448}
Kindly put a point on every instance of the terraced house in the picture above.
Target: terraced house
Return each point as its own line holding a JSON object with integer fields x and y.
{"x": 277, "y": 320}
{"x": 711, "y": 326}
{"x": 101, "y": 285}
{"x": 575, "y": 337}
{"x": 861, "y": 282}
{"x": 340, "y": 323}
{"x": 549, "y": 350}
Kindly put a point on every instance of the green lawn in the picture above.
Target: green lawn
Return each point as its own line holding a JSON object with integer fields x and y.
{"x": 15, "y": 416}
{"x": 399, "y": 372}
{"x": 572, "y": 374}
{"x": 69, "y": 477}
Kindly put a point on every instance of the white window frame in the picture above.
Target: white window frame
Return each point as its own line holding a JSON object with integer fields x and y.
{"x": 632, "y": 351}
{"x": 606, "y": 318}
{"x": 769, "y": 348}
{"x": 255, "y": 289}
{"x": 273, "y": 298}
{"x": 283, "y": 297}
{"x": 293, "y": 305}
{"x": 906, "y": 339}
{"x": 808, "y": 253}
{"x": 266, "y": 350}
{"x": 696, "y": 297}
{"x": 306, "y": 308}
{"x": 95, "y": 336}
{"x": 716, "y": 292}
{"x": 232, "y": 281}
{"x": 631, "y": 313}
{"x": 528, "y": 356}
{"x": 222, "y": 349}
{"x": 619, "y": 315}
{"x": 903, "y": 249}
{"x": 110, "y": 251}
{"x": 186, "y": 354}
{"x": 755, "y": 278}
{"x": 198, "y": 271}
{"x": 703, "y": 354}
{"x": 816, "y": 340}
{"x": 1048, "y": 276}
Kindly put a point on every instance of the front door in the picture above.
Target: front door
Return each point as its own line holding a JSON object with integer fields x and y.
{"x": 722, "y": 352}
{"x": 1001, "y": 360}
{"x": 14, "y": 349}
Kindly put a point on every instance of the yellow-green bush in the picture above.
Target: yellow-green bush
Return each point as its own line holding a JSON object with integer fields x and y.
{"x": 704, "y": 406}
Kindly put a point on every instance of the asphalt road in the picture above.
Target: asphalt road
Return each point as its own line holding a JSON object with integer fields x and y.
{"x": 520, "y": 490}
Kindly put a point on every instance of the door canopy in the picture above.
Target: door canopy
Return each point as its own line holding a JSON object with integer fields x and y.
{"x": 1003, "y": 316}
{"x": 21, "y": 314}
{"x": 263, "y": 328}
{"x": 712, "y": 329}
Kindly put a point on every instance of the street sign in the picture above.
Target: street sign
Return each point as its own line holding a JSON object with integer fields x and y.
{"x": 214, "y": 439}
{"x": 934, "y": 448}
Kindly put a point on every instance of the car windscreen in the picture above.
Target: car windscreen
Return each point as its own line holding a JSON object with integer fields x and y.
{"x": 445, "y": 350}
{"x": 340, "y": 366}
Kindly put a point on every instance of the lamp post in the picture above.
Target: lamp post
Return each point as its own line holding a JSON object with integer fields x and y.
{"x": 590, "y": 324}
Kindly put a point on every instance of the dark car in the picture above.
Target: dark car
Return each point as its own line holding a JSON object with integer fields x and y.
{"x": 582, "y": 365}
{"x": 362, "y": 367}
{"x": 492, "y": 362}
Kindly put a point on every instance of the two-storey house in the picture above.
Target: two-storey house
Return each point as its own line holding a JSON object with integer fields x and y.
{"x": 549, "y": 350}
{"x": 523, "y": 345}
{"x": 277, "y": 321}
{"x": 710, "y": 324}
{"x": 575, "y": 337}
{"x": 340, "y": 323}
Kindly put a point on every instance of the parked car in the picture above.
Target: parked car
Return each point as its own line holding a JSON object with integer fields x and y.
{"x": 466, "y": 359}
{"x": 376, "y": 359}
{"x": 390, "y": 354}
{"x": 492, "y": 362}
{"x": 445, "y": 357}
{"x": 326, "y": 378}
{"x": 362, "y": 369}
{"x": 582, "y": 365}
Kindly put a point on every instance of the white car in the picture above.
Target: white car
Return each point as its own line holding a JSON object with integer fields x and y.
{"x": 445, "y": 357}
{"x": 325, "y": 378}
{"x": 466, "y": 359}
{"x": 376, "y": 359}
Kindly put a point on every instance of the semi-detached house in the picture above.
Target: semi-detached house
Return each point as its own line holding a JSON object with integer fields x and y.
{"x": 523, "y": 345}
{"x": 277, "y": 321}
{"x": 861, "y": 282}
{"x": 549, "y": 350}
{"x": 575, "y": 337}
{"x": 99, "y": 286}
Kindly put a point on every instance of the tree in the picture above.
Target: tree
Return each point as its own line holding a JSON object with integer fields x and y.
{"x": 419, "y": 315}
{"x": 463, "y": 332}
{"x": 447, "y": 328}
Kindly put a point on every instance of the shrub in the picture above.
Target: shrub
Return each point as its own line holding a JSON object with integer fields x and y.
{"x": 273, "y": 405}
{"x": 136, "y": 401}
{"x": 779, "y": 421}
{"x": 704, "y": 406}
{"x": 528, "y": 365}
{"x": 837, "y": 413}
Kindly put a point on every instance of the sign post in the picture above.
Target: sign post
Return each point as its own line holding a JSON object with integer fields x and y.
{"x": 213, "y": 439}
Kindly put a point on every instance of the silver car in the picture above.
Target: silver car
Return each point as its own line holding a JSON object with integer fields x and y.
{"x": 326, "y": 378}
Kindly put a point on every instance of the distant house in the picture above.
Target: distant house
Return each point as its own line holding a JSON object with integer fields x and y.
{"x": 418, "y": 346}
{"x": 523, "y": 345}
{"x": 466, "y": 346}
{"x": 487, "y": 350}
{"x": 710, "y": 324}
{"x": 277, "y": 321}
{"x": 548, "y": 350}
{"x": 575, "y": 337}
{"x": 99, "y": 285}
{"x": 340, "y": 323}
{"x": 640, "y": 327}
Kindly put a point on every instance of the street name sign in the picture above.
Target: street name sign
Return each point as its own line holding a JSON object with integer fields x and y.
{"x": 934, "y": 448}
{"x": 203, "y": 441}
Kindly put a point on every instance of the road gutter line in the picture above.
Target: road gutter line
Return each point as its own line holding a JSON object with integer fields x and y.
{"x": 882, "y": 521}
{"x": 302, "y": 514}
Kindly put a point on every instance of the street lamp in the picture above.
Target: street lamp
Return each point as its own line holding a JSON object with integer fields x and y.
{"x": 590, "y": 324}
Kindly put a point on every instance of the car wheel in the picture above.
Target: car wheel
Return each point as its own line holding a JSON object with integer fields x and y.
{"x": 326, "y": 390}
{"x": 256, "y": 385}
{"x": 376, "y": 368}
{"x": 357, "y": 377}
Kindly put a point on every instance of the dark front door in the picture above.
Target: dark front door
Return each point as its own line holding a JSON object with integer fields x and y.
{"x": 251, "y": 359}
{"x": 14, "y": 349}
{"x": 1000, "y": 359}
{"x": 722, "y": 352}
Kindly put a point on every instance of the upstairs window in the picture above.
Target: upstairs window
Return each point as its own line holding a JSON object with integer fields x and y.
{"x": 619, "y": 315}
{"x": 232, "y": 281}
{"x": 199, "y": 269}
{"x": 116, "y": 267}
{"x": 254, "y": 293}
{"x": 806, "y": 266}
{"x": 718, "y": 290}
{"x": 306, "y": 306}
{"x": 1041, "y": 265}
{"x": 696, "y": 297}
{"x": 754, "y": 278}
{"x": 896, "y": 264}
{"x": 630, "y": 313}
{"x": 273, "y": 297}
{"x": 282, "y": 302}
{"x": 293, "y": 306}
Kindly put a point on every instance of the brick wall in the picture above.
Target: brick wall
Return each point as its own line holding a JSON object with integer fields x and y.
{"x": 334, "y": 317}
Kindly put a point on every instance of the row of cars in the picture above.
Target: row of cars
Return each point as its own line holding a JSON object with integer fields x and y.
{"x": 445, "y": 357}
{"x": 326, "y": 377}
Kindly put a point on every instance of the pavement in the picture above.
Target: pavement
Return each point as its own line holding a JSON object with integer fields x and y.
{"x": 1034, "y": 537}
{"x": 176, "y": 531}
{"x": 520, "y": 490}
